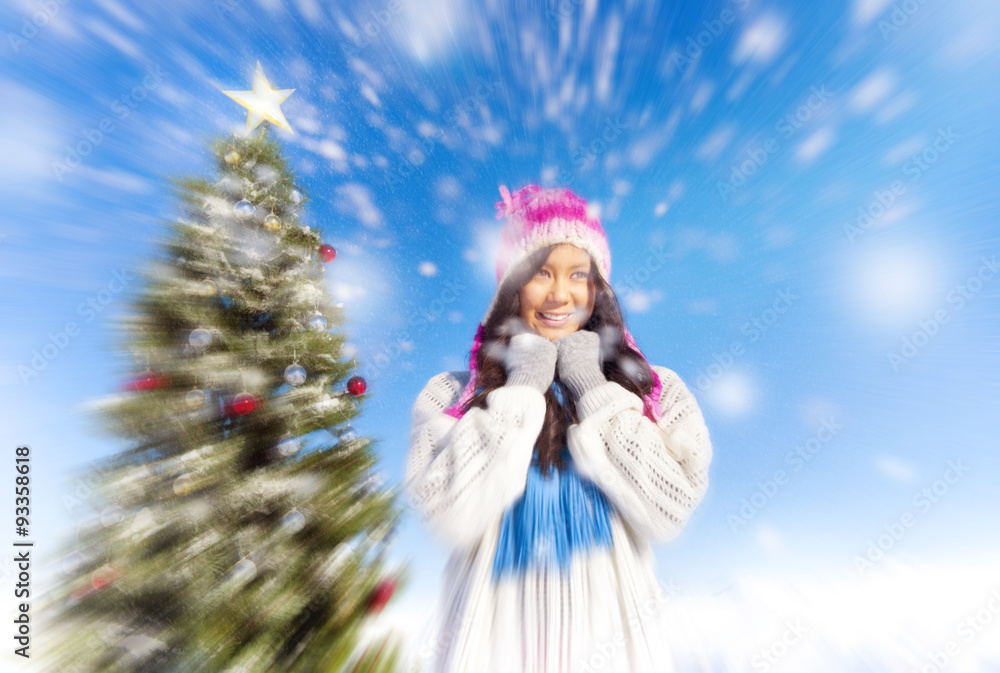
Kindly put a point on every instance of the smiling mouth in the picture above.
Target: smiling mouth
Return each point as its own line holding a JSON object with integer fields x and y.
{"x": 554, "y": 319}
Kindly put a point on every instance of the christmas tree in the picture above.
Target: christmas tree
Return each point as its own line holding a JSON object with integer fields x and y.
{"x": 245, "y": 527}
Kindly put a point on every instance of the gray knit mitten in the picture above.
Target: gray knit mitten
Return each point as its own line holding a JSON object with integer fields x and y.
{"x": 531, "y": 360}
{"x": 580, "y": 366}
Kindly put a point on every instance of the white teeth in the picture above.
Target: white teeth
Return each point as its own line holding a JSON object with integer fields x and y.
{"x": 555, "y": 317}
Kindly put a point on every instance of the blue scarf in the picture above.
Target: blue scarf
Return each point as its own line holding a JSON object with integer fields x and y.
{"x": 556, "y": 516}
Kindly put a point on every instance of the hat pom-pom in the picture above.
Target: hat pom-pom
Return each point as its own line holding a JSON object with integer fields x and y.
{"x": 505, "y": 207}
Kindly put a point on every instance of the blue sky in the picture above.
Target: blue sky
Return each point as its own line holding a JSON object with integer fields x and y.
{"x": 800, "y": 201}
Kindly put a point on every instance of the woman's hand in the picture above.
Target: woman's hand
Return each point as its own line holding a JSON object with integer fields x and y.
{"x": 531, "y": 360}
{"x": 579, "y": 363}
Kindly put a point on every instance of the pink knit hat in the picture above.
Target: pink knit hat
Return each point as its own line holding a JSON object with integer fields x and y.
{"x": 536, "y": 218}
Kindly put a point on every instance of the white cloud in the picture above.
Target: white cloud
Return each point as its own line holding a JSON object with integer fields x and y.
{"x": 114, "y": 38}
{"x": 644, "y": 149}
{"x": 369, "y": 74}
{"x": 894, "y": 287}
{"x": 778, "y": 235}
{"x": 356, "y": 200}
{"x": 308, "y": 125}
{"x": 27, "y": 134}
{"x": 640, "y": 301}
{"x": 119, "y": 181}
{"x": 739, "y": 87}
{"x": 426, "y": 129}
{"x": 311, "y": 11}
{"x": 605, "y": 70}
{"x": 866, "y": 11}
{"x": 429, "y": 29}
{"x": 761, "y": 40}
{"x": 415, "y": 157}
{"x": 448, "y": 187}
{"x": 721, "y": 247}
{"x": 453, "y": 363}
{"x": 872, "y": 90}
{"x": 701, "y": 97}
{"x": 732, "y": 394}
{"x": 347, "y": 292}
{"x": 332, "y": 151}
{"x": 717, "y": 141}
{"x": 174, "y": 95}
{"x": 59, "y": 21}
{"x": 428, "y": 269}
{"x": 975, "y": 41}
{"x": 896, "y": 107}
{"x": 484, "y": 254}
{"x": 769, "y": 539}
{"x": 900, "y": 152}
{"x": 896, "y": 468}
{"x": 702, "y": 306}
{"x": 369, "y": 93}
{"x": 128, "y": 18}
{"x": 676, "y": 190}
{"x": 815, "y": 145}
{"x": 816, "y": 411}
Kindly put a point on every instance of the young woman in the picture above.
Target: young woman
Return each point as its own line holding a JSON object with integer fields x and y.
{"x": 553, "y": 463}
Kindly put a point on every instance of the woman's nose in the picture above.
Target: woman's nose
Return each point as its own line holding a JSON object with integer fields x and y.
{"x": 558, "y": 291}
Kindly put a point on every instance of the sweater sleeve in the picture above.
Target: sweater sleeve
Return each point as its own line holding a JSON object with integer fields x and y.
{"x": 654, "y": 474}
{"x": 462, "y": 474}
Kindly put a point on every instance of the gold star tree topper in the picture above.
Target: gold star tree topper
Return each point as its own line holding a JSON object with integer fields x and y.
{"x": 263, "y": 102}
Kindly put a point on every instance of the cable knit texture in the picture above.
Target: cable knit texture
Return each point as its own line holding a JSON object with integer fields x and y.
{"x": 464, "y": 474}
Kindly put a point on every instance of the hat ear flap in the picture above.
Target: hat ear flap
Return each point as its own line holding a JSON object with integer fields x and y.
{"x": 457, "y": 410}
{"x": 652, "y": 400}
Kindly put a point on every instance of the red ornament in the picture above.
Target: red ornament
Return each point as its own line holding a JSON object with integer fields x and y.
{"x": 327, "y": 252}
{"x": 243, "y": 404}
{"x": 81, "y": 593}
{"x": 380, "y": 595}
{"x": 356, "y": 386}
{"x": 104, "y": 577}
{"x": 146, "y": 381}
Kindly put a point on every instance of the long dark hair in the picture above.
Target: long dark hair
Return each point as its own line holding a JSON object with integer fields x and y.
{"x": 626, "y": 367}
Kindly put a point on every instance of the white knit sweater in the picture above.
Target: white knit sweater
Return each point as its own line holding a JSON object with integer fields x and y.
{"x": 463, "y": 474}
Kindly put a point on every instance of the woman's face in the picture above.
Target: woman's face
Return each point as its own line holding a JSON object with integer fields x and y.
{"x": 559, "y": 299}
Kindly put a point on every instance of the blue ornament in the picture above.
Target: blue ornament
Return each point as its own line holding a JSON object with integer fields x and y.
{"x": 293, "y": 522}
{"x": 200, "y": 338}
{"x": 244, "y": 571}
{"x": 244, "y": 209}
{"x": 317, "y": 322}
{"x": 295, "y": 374}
